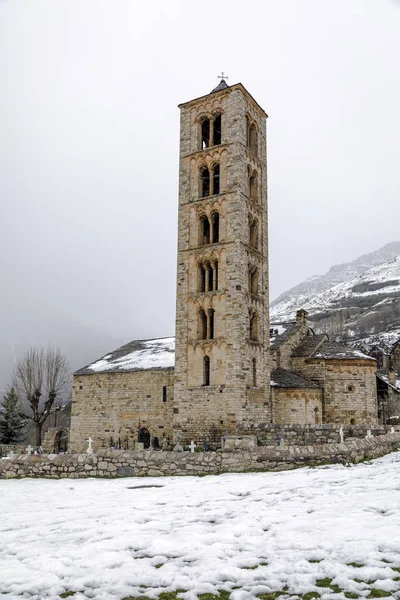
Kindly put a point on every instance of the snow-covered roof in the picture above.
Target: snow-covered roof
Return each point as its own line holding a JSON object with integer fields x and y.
{"x": 384, "y": 377}
{"x": 138, "y": 355}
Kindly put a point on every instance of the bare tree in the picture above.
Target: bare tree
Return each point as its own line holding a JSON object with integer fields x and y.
{"x": 40, "y": 377}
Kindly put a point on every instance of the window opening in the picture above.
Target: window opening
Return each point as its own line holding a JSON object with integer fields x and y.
{"x": 202, "y": 325}
{"x": 204, "y": 230}
{"x": 254, "y": 233}
{"x": 211, "y": 314}
{"x": 215, "y": 227}
{"x": 254, "y": 327}
{"x": 254, "y": 372}
{"x": 217, "y": 130}
{"x": 208, "y": 270}
{"x": 164, "y": 393}
{"x": 253, "y": 185}
{"x": 206, "y": 370}
{"x": 204, "y": 182}
{"x": 205, "y": 133}
{"x": 253, "y": 281}
{"x": 252, "y": 138}
{"x": 202, "y": 278}
{"x": 215, "y": 281}
{"x": 216, "y": 179}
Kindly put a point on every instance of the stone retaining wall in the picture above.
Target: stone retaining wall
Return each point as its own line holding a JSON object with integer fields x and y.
{"x": 122, "y": 463}
{"x": 304, "y": 435}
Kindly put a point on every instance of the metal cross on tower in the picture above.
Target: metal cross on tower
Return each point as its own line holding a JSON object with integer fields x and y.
{"x": 223, "y": 76}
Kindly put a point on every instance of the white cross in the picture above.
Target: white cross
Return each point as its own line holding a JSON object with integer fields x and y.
{"x": 192, "y": 446}
{"x": 90, "y": 449}
{"x": 29, "y": 449}
{"x": 341, "y": 434}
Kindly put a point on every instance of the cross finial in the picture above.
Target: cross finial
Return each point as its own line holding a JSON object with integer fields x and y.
{"x": 223, "y": 76}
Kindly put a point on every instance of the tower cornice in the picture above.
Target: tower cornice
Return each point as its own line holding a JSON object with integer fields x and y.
{"x": 224, "y": 92}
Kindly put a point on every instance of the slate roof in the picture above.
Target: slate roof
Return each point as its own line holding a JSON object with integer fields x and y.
{"x": 308, "y": 345}
{"x": 139, "y": 355}
{"x": 221, "y": 86}
{"x": 289, "y": 330}
{"x": 335, "y": 350}
{"x": 385, "y": 378}
{"x": 287, "y": 379}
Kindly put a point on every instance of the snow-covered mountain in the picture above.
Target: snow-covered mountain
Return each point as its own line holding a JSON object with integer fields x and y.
{"x": 358, "y": 300}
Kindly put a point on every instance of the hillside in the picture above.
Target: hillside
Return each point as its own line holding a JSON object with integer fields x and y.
{"x": 358, "y": 300}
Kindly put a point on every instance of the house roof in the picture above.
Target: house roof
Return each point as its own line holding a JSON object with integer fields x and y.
{"x": 287, "y": 379}
{"x": 334, "y": 350}
{"x": 385, "y": 378}
{"x": 309, "y": 345}
{"x": 139, "y": 355}
{"x": 284, "y": 333}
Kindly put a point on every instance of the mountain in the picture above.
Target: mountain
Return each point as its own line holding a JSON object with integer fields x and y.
{"x": 359, "y": 300}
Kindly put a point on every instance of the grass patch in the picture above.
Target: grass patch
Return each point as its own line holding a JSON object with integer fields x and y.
{"x": 67, "y": 594}
{"x": 326, "y": 582}
{"x": 395, "y": 569}
{"x": 159, "y": 565}
{"x": 310, "y": 595}
{"x": 374, "y": 593}
{"x": 314, "y": 560}
{"x": 222, "y": 595}
{"x": 351, "y": 595}
{"x": 271, "y": 595}
{"x": 250, "y": 568}
{"x": 355, "y": 565}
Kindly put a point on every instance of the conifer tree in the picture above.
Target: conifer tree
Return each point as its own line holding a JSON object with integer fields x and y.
{"x": 11, "y": 420}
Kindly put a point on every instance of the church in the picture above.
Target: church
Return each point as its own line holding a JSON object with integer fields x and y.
{"x": 221, "y": 372}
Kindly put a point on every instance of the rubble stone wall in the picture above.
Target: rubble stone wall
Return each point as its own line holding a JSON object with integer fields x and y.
{"x": 122, "y": 463}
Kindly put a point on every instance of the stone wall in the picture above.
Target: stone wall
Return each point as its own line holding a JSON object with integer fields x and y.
{"x": 299, "y": 435}
{"x": 120, "y": 463}
{"x": 117, "y": 405}
{"x": 349, "y": 388}
{"x": 299, "y": 406}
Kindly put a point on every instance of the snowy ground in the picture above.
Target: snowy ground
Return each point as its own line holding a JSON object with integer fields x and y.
{"x": 334, "y": 531}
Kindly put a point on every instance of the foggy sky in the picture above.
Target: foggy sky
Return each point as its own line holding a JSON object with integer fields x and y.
{"x": 89, "y": 144}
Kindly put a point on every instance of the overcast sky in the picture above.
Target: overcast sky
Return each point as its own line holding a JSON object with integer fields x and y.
{"x": 89, "y": 143}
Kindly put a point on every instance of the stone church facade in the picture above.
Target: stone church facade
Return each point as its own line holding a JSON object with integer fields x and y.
{"x": 216, "y": 373}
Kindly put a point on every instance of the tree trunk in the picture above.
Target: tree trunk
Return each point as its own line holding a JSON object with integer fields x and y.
{"x": 38, "y": 433}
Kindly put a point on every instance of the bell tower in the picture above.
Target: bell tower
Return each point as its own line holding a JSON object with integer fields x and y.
{"x": 222, "y": 371}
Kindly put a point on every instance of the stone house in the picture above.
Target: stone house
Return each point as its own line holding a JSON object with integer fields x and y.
{"x": 215, "y": 374}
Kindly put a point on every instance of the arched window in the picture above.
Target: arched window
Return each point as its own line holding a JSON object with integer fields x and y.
{"x": 204, "y": 230}
{"x": 216, "y": 179}
{"x": 205, "y": 132}
{"x": 253, "y": 185}
{"x": 206, "y": 370}
{"x": 202, "y": 279}
{"x": 252, "y": 138}
{"x": 202, "y": 325}
{"x": 253, "y": 233}
{"x": 254, "y": 327}
{"x": 215, "y": 227}
{"x": 254, "y": 372}
{"x": 211, "y": 314}
{"x": 217, "y": 130}
{"x": 215, "y": 276}
{"x": 204, "y": 182}
{"x": 253, "y": 281}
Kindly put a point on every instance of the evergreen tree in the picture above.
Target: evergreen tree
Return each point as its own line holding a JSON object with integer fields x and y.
{"x": 11, "y": 420}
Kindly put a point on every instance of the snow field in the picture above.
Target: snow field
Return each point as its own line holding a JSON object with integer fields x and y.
{"x": 247, "y": 534}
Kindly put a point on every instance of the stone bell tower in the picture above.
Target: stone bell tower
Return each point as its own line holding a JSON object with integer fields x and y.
{"x": 222, "y": 372}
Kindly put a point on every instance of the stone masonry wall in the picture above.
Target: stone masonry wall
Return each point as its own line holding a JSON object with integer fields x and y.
{"x": 117, "y": 405}
{"x": 299, "y": 406}
{"x": 299, "y": 435}
{"x": 120, "y": 463}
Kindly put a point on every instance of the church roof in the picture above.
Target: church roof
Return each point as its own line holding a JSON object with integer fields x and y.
{"x": 319, "y": 346}
{"x": 138, "y": 355}
{"x": 287, "y": 379}
{"x": 221, "y": 86}
{"x": 309, "y": 345}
